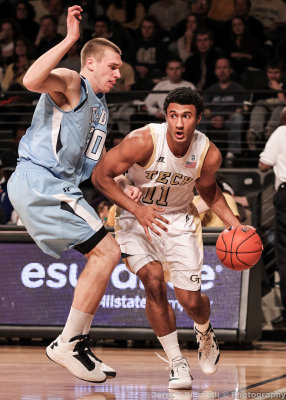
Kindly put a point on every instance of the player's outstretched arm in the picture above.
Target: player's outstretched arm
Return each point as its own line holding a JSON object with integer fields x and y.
{"x": 209, "y": 190}
{"x": 39, "y": 77}
{"x": 137, "y": 147}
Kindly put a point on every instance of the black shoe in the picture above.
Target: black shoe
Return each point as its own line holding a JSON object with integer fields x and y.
{"x": 279, "y": 322}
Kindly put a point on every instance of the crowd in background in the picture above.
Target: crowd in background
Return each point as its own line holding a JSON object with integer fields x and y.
{"x": 222, "y": 48}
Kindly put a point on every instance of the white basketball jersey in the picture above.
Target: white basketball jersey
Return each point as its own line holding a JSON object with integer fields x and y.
{"x": 166, "y": 180}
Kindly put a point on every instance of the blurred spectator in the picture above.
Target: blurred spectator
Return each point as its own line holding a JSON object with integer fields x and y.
{"x": 91, "y": 10}
{"x": 265, "y": 115}
{"x": 201, "y": 8}
{"x": 40, "y": 7}
{"x": 274, "y": 155}
{"x": 121, "y": 108}
{"x": 148, "y": 55}
{"x": 169, "y": 13}
{"x": 47, "y": 36}
{"x": 154, "y": 101}
{"x": 72, "y": 58}
{"x": 208, "y": 217}
{"x": 6, "y": 207}
{"x": 272, "y": 14}
{"x": 225, "y": 100}
{"x": 102, "y": 210}
{"x": 25, "y": 17}
{"x": 201, "y": 65}
{"x": 8, "y": 32}
{"x": 252, "y": 24}
{"x": 129, "y": 13}
{"x": 58, "y": 10}
{"x": 111, "y": 31}
{"x": 23, "y": 58}
{"x": 243, "y": 49}
{"x": 185, "y": 46}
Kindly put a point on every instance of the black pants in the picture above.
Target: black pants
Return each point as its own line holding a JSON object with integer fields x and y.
{"x": 280, "y": 239}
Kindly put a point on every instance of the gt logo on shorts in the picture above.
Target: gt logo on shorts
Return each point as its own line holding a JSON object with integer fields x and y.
{"x": 195, "y": 278}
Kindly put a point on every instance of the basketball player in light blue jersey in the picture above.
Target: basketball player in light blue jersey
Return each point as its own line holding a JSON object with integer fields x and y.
{"x": 60, "y": 150}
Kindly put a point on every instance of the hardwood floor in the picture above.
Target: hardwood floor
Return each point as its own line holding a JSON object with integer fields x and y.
{"x": 260, "y": 373}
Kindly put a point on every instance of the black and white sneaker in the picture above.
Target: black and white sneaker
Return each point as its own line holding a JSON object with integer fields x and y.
{"x": 180, "y": 376}
{"x": 208, "y": 355}
{"x": 78, "y": 358}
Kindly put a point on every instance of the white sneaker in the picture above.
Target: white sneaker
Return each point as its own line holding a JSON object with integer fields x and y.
{"x": 208, "y": 351}
{"x": 77, "y": 357}
{"x": 180, "y": 376}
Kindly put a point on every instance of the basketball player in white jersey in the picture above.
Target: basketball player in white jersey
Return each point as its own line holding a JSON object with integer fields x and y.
{"x": 58, "y": 152}
{"x": 166, "y": 161}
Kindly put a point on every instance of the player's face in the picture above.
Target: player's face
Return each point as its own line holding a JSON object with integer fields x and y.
{"x": 106, "y": 71}
{"x": 182, "y": 121}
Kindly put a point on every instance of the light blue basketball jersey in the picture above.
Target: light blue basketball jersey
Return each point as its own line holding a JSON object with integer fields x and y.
{"x": 67, "y": 143}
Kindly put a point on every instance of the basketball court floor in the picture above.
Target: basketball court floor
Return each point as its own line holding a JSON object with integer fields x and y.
{"x": 257, "y": 373}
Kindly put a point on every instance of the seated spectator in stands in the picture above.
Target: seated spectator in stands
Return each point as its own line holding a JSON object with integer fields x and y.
{"x": 114, "y": 32}
{"x": 225, "y": 99}
{"x": 265, "y": 115}
{"x": 252, "y": 24}
{"x": 47, "y": 36}
{"x": 199, "y": 68}
{"x": 209, "y": 218}
{"x": 91, "y": 10}
{"x": 58, "y": 10}
{"x": 8, "y": 31}
{"x": 72, "y": 58}
{"x": 185, "y": 46}
{"x": 174, "y": 73}
{"x": 148, "y": 55}
{"x": 6, "y": 207}
{"x": 102, "y": 210}
{"x": 25, "y": 17}
{"x": 23, "y": 58}
{"x": 168, "y": 13}
{"x": 243, "y": 50}
{"x": 202, "y": 8}
{"x": 121, "y": 108}
{"x": 129, "y": 13}
{"x": 154, "y": 101}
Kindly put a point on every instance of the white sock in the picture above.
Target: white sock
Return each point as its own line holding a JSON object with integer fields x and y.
{"x": 202, "y": 328}
{"x": 171, "y": 346}
{"x": 75, "y": 324}
{"x": 87, "y": 324}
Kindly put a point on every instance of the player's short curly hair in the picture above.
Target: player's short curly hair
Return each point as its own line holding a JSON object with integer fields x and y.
{"x": 184, "y": 96}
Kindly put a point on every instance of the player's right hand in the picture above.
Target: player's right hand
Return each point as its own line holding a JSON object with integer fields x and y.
{"x": 73, "y": 21}
{"x": 149, "y": 217}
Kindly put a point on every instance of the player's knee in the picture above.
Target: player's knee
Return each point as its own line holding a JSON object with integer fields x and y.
{"x": 191, "y": 307}
{"x": 155, "y": 289}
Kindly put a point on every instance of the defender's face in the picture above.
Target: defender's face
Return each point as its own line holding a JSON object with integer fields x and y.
{"x": 106, "y": 71}
{"x": 182, "y": 121}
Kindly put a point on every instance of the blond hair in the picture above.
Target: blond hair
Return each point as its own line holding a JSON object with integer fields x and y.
{"x": 95, "y": 48}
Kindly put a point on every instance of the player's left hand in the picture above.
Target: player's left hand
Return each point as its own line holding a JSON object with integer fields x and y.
{"x": 133, "y": 192}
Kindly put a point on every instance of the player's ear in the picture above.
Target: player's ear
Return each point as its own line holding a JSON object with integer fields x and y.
{"x": 199, "y": 117}
{"x": 90, "y": 63}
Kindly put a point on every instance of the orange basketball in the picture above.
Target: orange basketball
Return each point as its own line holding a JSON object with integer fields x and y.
{"x": 239, "y": 248}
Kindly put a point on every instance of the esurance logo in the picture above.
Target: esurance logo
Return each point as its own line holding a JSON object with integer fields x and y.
{"x": 59, "y": 275}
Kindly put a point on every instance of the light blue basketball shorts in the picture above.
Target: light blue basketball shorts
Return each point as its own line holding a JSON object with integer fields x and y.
{"x": 53, "y": 211}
